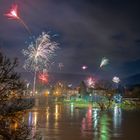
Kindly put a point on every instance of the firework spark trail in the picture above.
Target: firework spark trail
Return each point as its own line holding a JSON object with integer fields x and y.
{"x": 13, "y": 14}
{"x": 39, "y": 55}
{"x": 26, "y": 27}
{"x": 104, "y": 62}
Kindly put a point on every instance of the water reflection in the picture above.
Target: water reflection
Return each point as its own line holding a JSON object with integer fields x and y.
{"x": 96, "y": 123}
{"x": 57, "y": 121}
{"x": 57, "y": 109}
{"x": 71, "y": 109}
{"x": 95, "y": 118}
{"x": 104, "y": 127}
{"x": 117, "y": 120}
{"x": 47, "y": 116}
{"x": 117, "y": 117}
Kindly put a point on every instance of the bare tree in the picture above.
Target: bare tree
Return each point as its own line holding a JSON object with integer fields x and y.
{"x": 108, "y": 93}
{"x": 11, "y": 102}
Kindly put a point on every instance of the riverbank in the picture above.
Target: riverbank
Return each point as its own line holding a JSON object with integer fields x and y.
{"x": 126, "y": 105}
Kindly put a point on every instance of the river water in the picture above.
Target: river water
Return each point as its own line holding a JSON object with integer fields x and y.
{"x": 56, "y": 121}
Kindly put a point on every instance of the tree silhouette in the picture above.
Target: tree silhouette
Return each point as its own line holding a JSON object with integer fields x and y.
{"x": 82, "y": 88}
{"x": 11, "y": 102}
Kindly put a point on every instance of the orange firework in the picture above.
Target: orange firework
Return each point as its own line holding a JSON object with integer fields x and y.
{"x": 13, "y": 14}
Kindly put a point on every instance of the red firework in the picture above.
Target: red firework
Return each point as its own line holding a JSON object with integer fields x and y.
{"x": 43, "y": 77}
{"x": 13, "y": 14}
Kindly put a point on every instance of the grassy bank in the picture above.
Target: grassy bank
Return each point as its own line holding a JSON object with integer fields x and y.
{"x": 126, "y": 105}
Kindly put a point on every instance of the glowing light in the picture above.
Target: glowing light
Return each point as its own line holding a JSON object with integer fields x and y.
{"x": 30, "y": 119}
{"x": 90, "y": 82}
{"x": 47, "y": 93}
{"x": 116, "y": 79}
{"x": 69, "y": 85}
{"x": 56, "y": 115}
{"x": 39, "y": 55}
{"x": 95, "y": 118}
{"x": 117, "y": 98}
{"x": 117, "y": 117}
{"x": 84, "y": 67}
{"x": 43, "y": 77}
{"x": 104, "y": 62}
{"x": 13, "y": 14}
{"x": 104, "y": 130}
{"x": 27, "y": 85}
{"x": 35, "y": 119}
{"x": 72, "y": 109}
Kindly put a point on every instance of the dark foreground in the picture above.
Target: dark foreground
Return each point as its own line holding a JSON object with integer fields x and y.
{"x": 64, "y": 122}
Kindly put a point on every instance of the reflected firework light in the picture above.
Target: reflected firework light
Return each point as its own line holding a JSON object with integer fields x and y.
{"x": 13, "y": 14}
{"x": 43, "y": 77}
{"x": 90, "y": 82}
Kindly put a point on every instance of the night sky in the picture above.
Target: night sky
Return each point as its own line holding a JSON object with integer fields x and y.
{"x": 87, "y": 30}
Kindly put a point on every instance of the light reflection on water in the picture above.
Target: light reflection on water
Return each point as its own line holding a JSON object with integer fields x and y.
{"x": 117, "y": 119}
{"x": 65, "y": 122}
{"x": 97, "y": 123}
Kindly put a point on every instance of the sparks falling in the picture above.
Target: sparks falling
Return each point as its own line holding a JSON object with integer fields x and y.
{"x": 43, "y": 77}
{"x": 104, "y": 62}
{"x": 39, "y": 53}
{"x": 13, "y": 14}
{"x": 90, "y": 82}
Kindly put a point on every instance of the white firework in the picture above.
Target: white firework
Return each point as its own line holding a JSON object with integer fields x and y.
{"x": 104, "y": 62}
{"x": 90, "y": 82}
{"x": 116, "y": 79}
{"x": 39, "y": 53}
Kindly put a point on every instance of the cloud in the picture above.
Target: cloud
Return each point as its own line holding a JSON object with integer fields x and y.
{"x": 88, "y": 30}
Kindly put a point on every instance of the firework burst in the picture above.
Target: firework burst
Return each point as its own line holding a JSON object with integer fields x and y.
{"x": 116, "y": 79}
{"x": 90, "y": 82}
{"x": 43, "y": 77}
{"x": 84, "y": 67}
{"x": 104, "y": 62}
{"x": 13, "y": 14}
{"x": 39, "y": 55}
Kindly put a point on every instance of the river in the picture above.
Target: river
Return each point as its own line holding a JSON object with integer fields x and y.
{"x": 56, "y": 121}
